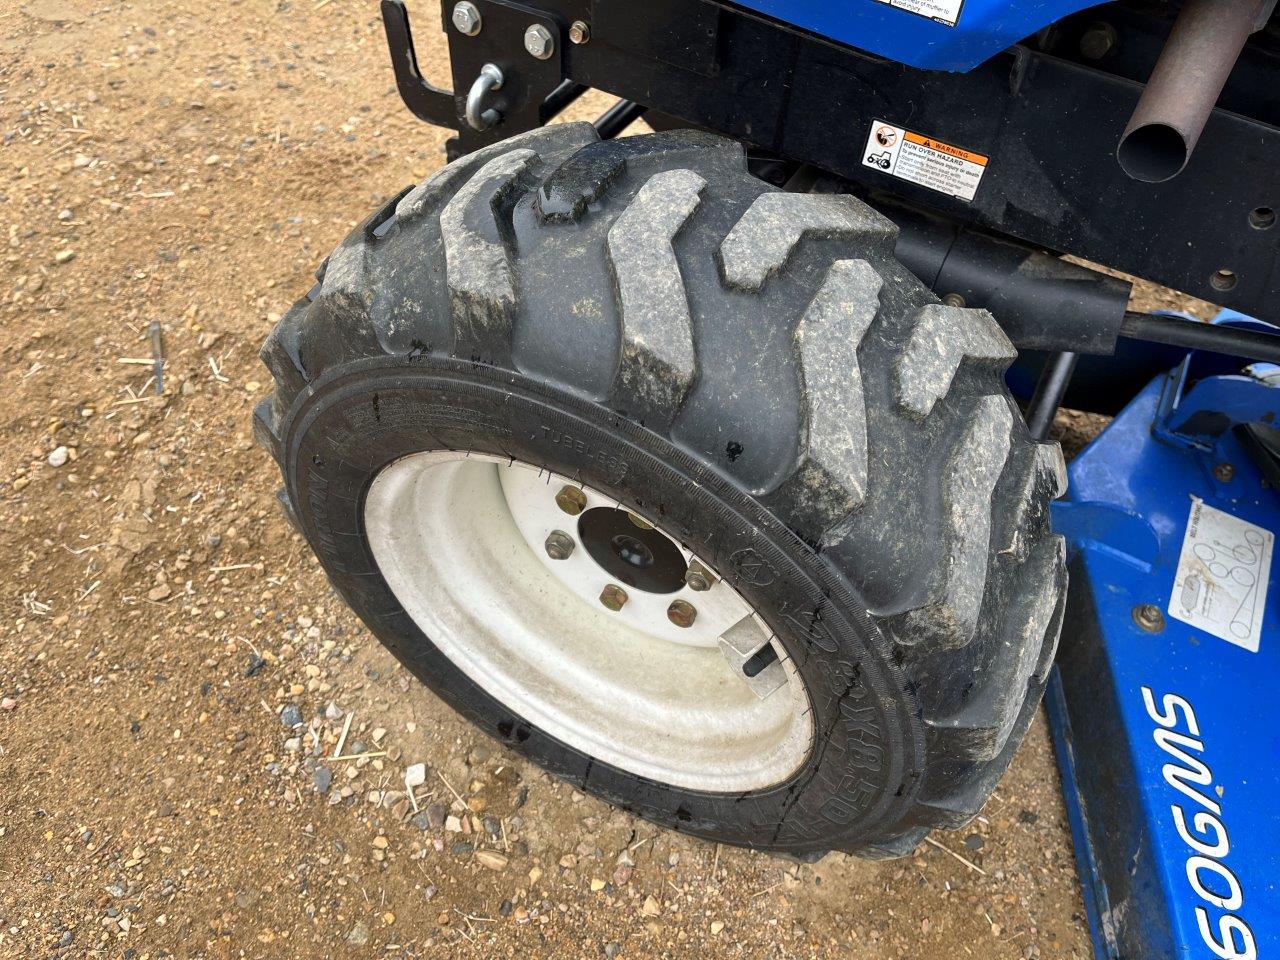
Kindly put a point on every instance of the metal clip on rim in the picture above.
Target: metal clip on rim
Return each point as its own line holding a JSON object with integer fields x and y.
{"x": 490, "y": 79}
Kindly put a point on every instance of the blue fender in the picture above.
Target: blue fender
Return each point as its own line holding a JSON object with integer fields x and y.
{"x": 890, "y": 28}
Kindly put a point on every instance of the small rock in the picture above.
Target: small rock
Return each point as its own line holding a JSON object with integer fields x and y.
{"x": 415, "y": 775}
{"x": 716, "y": 927}
{"x": 436, "y": 815}
{"x": 64, "y": 256}
{"x": 59, "y": 456}
{"x": 291, "y": 716}
{"x": 974, "y": 841}
{"x": 359, "y": 935}
{"x": 323, "y": 779}
{"x": 651, "y": 906}
{"x": 212, "y": 161}
{"x": 159, "y": 592}
{"x": 492, "y": 859}
{"x": 8, "y": 703}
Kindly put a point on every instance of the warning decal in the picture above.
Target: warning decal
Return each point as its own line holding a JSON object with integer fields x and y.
{"x": 944, "y": 11}
{"x": 1223, "y": 571}
{"x": 924, "y": 161}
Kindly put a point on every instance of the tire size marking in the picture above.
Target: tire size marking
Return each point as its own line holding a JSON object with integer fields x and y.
{"x": 1223, "y": 572}
{"x": 613, "y": 468}
{"x": 924, "y": 161}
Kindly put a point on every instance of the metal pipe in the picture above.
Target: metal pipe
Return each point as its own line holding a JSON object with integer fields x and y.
{"x": 617, "y": 118}
{"x": 1194, "y": 65}
{"x": 1050, "y": 389}
{"x": 566, "y": 93}
{"x": 1194, "y": 335}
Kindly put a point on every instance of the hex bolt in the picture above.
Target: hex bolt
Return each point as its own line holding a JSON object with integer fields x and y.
{"x": 953, "y": 300}
{"x": 1097, "y": 41}
{"x": 613, "y": 597}
{"x": 580, "y": 31}
{"x": 466, "y": 18}
{"x": 559, "y": 545}
{"x": 698, "y": 577}
{"x": 539, "y": 42}
{"x": 1149, "y": 617}
{"x": 571, "y": 500}
{"x": 1225, "y": 472}
{"x": 639, "y": 521}
{"x": 682, "y": 613}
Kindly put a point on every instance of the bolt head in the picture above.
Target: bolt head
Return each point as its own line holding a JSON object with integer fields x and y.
{"x": 466, "y": 18}
{"x": 1098, "y": 41}
{"x": 613, "y": 597}
{"x": 682, "y": 613}
{"x": 539, "y": 42}
{"x": 698, "y": 577}
{"x": 559, "y": 545}
{"x": 1225, "y": 472}
{"x": 1149, "y": 617}
{"x": 580, "y": 31}
{"x": 639, "y": 522}
{"x": 571, "y": 500}
{"x": 953, "y": 300}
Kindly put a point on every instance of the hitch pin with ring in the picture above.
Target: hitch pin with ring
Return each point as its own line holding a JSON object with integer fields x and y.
{"x": 490, "y": 79}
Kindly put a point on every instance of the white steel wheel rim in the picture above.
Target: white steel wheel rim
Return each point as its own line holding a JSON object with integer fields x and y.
{"x": 460, "y": 539}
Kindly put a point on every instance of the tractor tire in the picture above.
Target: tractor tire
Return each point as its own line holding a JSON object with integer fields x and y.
{"x": 821, "y": 462}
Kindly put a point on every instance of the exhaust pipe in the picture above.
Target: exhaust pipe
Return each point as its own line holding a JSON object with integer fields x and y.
{"x": 1203, "y": 46}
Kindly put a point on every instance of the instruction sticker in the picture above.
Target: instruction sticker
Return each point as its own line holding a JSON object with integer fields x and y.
{"x": 943, "y": 11}
{"x": 1223, "y": 570}
{"x": 924, "y": 160}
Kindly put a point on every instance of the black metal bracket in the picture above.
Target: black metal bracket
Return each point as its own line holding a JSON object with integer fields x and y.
{"x": 424, "y": 101}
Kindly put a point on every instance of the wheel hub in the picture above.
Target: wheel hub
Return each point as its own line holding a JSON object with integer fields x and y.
{"x": 588, "y": 620}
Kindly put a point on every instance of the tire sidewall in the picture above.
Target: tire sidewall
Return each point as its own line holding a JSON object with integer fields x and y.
{"x": 859, "y": 777}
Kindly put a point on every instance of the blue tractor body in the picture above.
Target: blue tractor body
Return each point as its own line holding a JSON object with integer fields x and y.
{"x": 932, "y": 34}
{"x": 1163, "y": 702}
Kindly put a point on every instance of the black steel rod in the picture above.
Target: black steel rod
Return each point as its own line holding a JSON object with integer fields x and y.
{"x": 1050, "y": 389}
{"x": 617, "y": 118}
{"x": 561, "y": 97}
{"x": 1194, "y": 335}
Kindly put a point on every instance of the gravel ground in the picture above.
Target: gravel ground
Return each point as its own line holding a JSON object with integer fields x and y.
{"x": 176, "y": 674}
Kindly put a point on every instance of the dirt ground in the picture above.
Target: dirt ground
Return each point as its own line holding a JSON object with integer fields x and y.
{"x": 174, "y": 666}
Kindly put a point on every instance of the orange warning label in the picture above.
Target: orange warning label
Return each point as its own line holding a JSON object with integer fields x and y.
{"x": 923, "y": 160}
{"x": 932, "y": 144}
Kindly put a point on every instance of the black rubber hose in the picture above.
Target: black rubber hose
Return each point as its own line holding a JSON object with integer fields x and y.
{"x": 1194, "y": 335}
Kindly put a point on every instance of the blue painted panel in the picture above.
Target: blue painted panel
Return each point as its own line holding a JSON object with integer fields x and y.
{"x": 1153, "y": 892}
{"x": 982, "y": 29}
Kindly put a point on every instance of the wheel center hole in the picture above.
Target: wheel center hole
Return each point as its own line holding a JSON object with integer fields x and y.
{"x": 644, "y": 558}
{"x": 630, "y": 550}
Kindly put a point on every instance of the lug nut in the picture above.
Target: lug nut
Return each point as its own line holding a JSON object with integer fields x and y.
{"x": 571, "y": 500}
{"x": 639, "y": 521}
{"x": 539, "y": 42}
{"x": 1224, "y": 472}
{"x": 613, "y": 597}
{"x": 559, "y": 545}
{"x": 1149, "y": 617}
{"x": 580, "y": 31}
{"x": 698, "y": 577}
{"x": 466, "y": 18}
{"x": 682, "y": 613}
